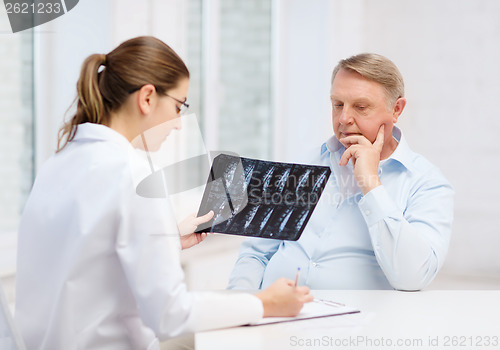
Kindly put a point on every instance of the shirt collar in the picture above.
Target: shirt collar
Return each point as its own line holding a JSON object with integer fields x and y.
{"x": 402, "y": 153}
{"x": 99, "y": 132}
{"x": 332, "y": 145}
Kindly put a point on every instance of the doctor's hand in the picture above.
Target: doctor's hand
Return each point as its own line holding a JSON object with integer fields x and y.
{"x": 365, "y": 158}
{"x": 282, "y": 298}
{"x": 187, "y": 227}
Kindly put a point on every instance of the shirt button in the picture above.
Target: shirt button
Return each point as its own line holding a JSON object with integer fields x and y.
{"x": 314, "y": 264}
{"x": 367, "y": 212}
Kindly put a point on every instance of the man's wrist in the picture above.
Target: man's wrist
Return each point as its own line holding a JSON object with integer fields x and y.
{"x": 369, "y": 182}
{"x": 377, "y": 205}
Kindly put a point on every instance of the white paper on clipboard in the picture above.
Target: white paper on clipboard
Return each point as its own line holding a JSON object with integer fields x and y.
{"x": 314, "y": 309}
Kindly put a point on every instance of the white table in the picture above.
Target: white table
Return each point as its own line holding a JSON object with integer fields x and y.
{"x": 388, "y": 320}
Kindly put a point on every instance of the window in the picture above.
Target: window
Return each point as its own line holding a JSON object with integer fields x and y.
{"x": 16, "y": 120}
{"x": 16, "y": 141}
{"x": 229, "y": 56}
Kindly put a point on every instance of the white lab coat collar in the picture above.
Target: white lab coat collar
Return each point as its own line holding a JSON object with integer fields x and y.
{"x": 99, "y": 132}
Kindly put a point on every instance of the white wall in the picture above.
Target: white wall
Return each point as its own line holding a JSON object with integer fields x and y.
{"x": 448, "y": 53}
{"x": 60, "y": 48}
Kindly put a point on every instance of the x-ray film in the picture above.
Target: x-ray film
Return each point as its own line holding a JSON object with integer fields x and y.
{"x": 257, "y": 198}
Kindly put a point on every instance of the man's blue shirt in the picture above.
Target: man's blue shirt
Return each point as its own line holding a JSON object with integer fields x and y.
{"x": 395, "y": 236}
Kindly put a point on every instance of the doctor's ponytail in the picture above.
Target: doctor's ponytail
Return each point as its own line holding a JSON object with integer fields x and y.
{"x": 106, "y": 81}
{"x": 90, "y": 106}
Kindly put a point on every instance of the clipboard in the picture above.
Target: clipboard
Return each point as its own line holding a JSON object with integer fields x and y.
{"x": 315, "y": 309}
{"x": 258, "y": 198}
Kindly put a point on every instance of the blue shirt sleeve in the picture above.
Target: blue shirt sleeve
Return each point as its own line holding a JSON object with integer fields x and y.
{"x": 254, "y": 256}
{"x": 410, "y": 243}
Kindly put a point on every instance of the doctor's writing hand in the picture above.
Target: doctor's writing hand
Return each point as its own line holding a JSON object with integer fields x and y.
{"x": 365, "y": 158}
{"x": 187, "y": 227}
{"x": 282, "y": 298}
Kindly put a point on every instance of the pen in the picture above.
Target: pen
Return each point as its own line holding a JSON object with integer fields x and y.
{"x": 297, "y": 276}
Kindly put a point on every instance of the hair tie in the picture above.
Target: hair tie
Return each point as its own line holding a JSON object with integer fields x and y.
{"x": 104, "y": 60}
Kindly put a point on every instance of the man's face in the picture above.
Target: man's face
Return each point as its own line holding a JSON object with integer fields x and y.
{"x": 359, "y": 106}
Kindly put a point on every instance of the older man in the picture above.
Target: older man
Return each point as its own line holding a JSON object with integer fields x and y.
{"x": 384, "y": 219}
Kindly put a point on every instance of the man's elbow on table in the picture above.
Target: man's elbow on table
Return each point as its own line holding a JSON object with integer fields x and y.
{"x": 416, "y": 278}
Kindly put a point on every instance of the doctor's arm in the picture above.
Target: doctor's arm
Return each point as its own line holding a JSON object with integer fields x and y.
{"x": 410, "y": 243}
{"x": 253, "y": 258}
{"x": 148, "y": 249}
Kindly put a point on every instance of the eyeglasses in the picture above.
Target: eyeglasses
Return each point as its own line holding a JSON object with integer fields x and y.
{"x": 180, "y": 110}
{"x": 183, "y": 108}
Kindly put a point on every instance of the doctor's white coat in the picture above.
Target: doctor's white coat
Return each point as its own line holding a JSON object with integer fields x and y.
{"x": 98, "y": 265}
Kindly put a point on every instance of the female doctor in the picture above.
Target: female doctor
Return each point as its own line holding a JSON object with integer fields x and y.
{"x": 98, "y": 265}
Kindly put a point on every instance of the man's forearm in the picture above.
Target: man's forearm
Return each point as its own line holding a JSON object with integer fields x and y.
{"x": 252, "y": 261}
{"x": 410, "y": 252}
{"x": 247, "y": 274}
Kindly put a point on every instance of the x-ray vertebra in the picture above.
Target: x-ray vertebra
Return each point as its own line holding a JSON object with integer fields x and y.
{"x": 259, "y": 198}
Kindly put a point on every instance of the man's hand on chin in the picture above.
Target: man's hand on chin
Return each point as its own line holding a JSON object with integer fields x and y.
{"x": 365, "y": 157}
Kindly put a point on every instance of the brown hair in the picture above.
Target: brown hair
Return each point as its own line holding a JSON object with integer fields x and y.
{"x": 378, "y": 69}
{"x": 106, "y": 81}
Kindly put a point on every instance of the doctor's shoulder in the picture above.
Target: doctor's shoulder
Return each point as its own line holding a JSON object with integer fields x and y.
{"x": 84, "y": 163}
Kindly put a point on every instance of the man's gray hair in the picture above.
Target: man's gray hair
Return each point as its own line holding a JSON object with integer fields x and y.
{"x": 378, "y": 69}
